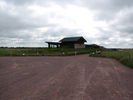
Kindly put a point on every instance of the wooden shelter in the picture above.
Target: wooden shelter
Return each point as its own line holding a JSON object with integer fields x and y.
{"x": 73, "y": 42}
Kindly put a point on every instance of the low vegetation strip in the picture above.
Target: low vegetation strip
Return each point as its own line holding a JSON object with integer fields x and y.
{"x": 62, "y": 51}
{"x": 124, "y": 56}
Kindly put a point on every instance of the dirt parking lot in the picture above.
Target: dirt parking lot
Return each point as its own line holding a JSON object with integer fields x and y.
{"x": 64, "y": 78}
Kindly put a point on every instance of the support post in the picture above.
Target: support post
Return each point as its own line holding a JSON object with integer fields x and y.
{"x": 49, "y": 45}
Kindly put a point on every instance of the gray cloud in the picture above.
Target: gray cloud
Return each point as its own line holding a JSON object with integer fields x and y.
{"x": 22, "y": 26}
{"x": 20, "y": 2}
{"x": 62, "y": 32}
{"x": 124, "y": 23}
{"x": 22, "y": 21}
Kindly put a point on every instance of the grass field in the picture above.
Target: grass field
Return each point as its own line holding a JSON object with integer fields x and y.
{"x": 64, "y": 51}
{"x": 124, "y": 56}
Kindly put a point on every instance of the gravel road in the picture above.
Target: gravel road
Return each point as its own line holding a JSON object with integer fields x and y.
{"x": 64, "y": 78}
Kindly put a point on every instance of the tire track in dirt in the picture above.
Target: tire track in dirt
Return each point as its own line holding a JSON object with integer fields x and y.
{"x": 30, "y": 64}
{"x": 117, "y": 88}
{"x": 117, "y": 81}
{"x": 83, "y": 83}
{"x": 14, "y": 63}
{"x": 116, "y": 72}
{"x": 56, "y": 78}
{"x": 16, "y": 76}
{"x": 20, "y": 75}
{"x": 120, "y": 89}
{"x": 49, "y": 81}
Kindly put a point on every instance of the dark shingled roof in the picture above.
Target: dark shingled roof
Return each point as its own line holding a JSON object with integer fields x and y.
{"x": 72, "y": 39}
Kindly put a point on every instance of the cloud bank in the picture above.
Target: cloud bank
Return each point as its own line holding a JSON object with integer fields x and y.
{"x": 32, "y": 22}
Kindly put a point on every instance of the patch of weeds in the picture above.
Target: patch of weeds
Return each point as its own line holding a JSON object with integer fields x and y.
{"x": 127, "y": 61}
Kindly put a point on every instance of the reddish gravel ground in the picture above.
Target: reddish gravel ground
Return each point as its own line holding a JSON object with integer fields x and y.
{"x": 64, "y": 78}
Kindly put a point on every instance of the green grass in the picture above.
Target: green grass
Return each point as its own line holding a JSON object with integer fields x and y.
{"x": 125, "y": 56}
{"x": 44, "y": 51}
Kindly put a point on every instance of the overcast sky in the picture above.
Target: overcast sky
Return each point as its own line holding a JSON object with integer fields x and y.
{"x": 29, "y": 23}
